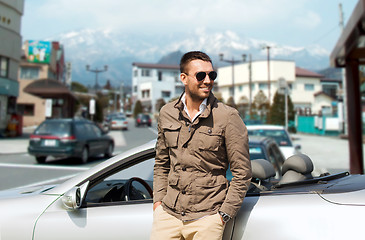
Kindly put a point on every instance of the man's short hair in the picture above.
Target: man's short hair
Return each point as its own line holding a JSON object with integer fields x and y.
{"x": 190, "y": 56}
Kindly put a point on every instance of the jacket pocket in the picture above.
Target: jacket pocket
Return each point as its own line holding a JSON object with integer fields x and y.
{"x": 210, "y": 193}
{"x": 171, "y": 133}
{"x": 210, "y": 138}
{"x": 172, "y": 192}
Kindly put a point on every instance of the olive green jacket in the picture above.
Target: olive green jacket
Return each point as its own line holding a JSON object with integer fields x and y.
{"x": 192, "y": 160}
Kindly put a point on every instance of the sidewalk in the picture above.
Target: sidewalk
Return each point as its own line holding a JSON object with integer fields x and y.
{"x": 16, "y": 145}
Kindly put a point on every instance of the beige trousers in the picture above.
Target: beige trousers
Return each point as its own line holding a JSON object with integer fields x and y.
{"x": 166, "y": 226}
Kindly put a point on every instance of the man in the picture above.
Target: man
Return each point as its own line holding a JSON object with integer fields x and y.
{"x": 198, "y": 138}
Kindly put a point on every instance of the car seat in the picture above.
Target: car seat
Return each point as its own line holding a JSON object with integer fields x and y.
{"x": 296, "y": 168}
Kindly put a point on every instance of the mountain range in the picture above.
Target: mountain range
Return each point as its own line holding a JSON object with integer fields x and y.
{"x": 118, "y": 50}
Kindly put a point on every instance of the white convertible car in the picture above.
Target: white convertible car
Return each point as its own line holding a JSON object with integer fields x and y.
{"x": 114, "y": 201}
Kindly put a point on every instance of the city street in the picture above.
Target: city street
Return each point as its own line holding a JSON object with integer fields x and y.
{"x": 17, "y": 168}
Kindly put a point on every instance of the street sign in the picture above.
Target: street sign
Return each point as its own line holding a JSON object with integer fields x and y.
{"x": 92, "y": 106}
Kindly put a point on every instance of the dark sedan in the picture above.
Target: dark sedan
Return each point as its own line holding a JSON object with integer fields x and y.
{"x": 78, "y": 138}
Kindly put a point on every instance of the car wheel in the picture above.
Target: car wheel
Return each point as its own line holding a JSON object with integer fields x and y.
{"x": 41, "y": 159}
{"x": 84, "y": 155}
{"x": 109, "y": 151}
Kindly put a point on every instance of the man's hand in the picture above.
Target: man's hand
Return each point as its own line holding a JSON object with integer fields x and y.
{"x": 155, "y": 205}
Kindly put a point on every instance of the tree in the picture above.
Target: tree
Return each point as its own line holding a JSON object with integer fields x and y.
{"x": 231, "y": 103}
{"x": 260, "y": 106}
{"x": 78, "y": 87}
{"x": 137, "y": 108}
{"x": 277, "y": 110}
{"x": 159, "y": 104}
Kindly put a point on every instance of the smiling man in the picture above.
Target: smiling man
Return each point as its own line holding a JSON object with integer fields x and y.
{"x": 198, "y": 138}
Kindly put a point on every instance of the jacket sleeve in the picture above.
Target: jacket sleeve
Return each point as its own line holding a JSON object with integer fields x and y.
{"x": 236, "y": 139}
{"x": 161, "y": 167}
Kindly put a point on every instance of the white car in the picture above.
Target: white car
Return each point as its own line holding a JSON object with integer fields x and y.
{"x": 113, "y": 200}
{"x": 118, "y": 122}
{"x": 279, "y": 134}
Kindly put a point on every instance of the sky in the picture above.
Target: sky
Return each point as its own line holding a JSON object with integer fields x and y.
{"x": 297, "y": 23}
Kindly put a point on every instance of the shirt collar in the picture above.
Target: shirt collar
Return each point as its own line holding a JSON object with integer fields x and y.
{"x": 202, "y": 107}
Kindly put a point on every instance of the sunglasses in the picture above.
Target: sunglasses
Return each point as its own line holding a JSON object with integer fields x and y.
{"x": 200, "y": 76}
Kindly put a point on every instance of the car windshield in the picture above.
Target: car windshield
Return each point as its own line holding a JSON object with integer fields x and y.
{"x": 61, "y": 129}
{"x": 280, "y": 136}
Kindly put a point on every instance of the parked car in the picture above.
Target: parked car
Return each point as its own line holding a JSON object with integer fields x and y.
{"x": 78, "y": 138}
{"x": 143, "y": 120}
{"x": 108, "y": 118}
{"x": 113, "y": 200}
{"x": 118, "y": 122}
{"x": 264, "y": 148}
{"x": 279, "y": 134}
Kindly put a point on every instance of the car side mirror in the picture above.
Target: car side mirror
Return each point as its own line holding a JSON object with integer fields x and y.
{"x": 298, "y": 147}
{"x": 73, "y": 198}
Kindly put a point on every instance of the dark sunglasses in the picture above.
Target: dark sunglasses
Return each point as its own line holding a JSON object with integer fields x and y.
{"x": 200, "y": 76}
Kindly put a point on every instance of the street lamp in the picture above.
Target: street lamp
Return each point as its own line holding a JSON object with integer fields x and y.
{"x": 233, "y": 62}
{"x": 96, "y": 71}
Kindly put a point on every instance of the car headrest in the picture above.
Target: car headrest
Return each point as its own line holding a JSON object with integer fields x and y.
{"x": 262, "y": 169}
{"x": 300, "y": 163}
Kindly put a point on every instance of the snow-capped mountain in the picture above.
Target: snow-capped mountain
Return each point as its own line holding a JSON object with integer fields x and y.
{"x": 118, "y": 50}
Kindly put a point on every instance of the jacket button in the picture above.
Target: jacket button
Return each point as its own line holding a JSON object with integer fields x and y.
{"x": 210, "y": 131}
{"x": 183, "y": 191}
{"x": 182, "y": 213}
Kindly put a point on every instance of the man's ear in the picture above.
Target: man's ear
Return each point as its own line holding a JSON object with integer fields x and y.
{"x": 184, "y": 78}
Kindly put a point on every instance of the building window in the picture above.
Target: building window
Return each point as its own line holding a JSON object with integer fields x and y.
{"x": 263, "y": 86}
{"x": 308, "y": 87}
{"x": 135, "y": 89}
{"x": 4, "y": 67}
{"x": 29, "y": 73}
{"x": 166, "y": 94}
{"x": 146, "y": 73}
{"x": 136, "y": 73}
{"x": 159, "y": 76}
{"x": 26, "y": 109}
{"x": 330, "y": 89}
{"x": 145, "y": 93}
{"x": 240, "y": 88}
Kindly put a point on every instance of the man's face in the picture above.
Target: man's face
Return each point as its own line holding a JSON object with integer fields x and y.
{"x": 197, "y": 90}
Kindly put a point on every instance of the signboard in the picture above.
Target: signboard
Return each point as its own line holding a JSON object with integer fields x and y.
{"x": 92, "y": 107}
{"x": 39, "y": 51}
{"x": 48, "y": 107}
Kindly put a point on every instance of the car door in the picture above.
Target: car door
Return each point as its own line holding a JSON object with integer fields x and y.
{"x": 102, "y": 216}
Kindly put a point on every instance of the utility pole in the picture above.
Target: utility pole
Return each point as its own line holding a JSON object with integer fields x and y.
{"x": 232, "y": 62}
{"x": 344, "y": 95}
{"x": 268, "y": 71}
{"x": 96, "y": 71}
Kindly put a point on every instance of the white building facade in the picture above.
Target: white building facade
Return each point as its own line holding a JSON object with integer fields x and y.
{"x": 302, "y": 84}
{"x": 152, "y": 82}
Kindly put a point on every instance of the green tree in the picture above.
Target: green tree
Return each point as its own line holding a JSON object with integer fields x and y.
{"x": 78, "y": 87}
{"x": 277, "y": 110}
{"x": 137, "y": 108}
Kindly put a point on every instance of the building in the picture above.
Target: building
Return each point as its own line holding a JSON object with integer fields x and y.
{"x": 11, "y": 12}
{"x": 152, "y": 82}
{"x": 252, "y": 77}
{"x": 42, "y": 90}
